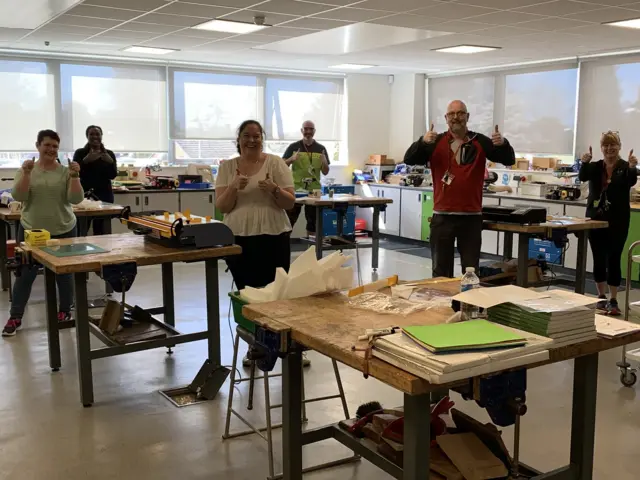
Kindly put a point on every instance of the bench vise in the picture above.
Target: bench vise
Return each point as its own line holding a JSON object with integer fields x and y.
{"x": 266, "y": 347}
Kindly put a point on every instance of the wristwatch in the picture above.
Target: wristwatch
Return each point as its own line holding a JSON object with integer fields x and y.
{"x": 276, "y": 192}
{"x": 74, "y": 174}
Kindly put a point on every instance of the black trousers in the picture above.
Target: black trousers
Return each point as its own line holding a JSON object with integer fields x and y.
{"x": 607, "y": 245}
{"x": 446, "y": 230}
{"x": 261, "y": 256}
{"x": 309, "y": 214}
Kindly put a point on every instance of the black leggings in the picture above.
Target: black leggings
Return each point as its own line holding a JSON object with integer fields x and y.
{"x": 607, "y": 245}
{"x": 261, "y": 256}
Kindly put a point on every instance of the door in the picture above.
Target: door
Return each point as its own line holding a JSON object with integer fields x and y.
{"x": 161, "y": 201}
{"x": 390, "y": 218}
{"x": 411, "y": 216}
{"x": 198, "y": 203}
{"x": 131, "y": 200}
{"x": 427, "y": 213}
{"x": 490, "y": 239}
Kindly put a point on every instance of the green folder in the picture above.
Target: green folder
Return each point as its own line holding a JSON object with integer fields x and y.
{"x": 463, "y": 336}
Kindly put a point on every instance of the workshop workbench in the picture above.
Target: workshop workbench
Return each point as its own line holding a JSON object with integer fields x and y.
{"x": 328, "y": 325}
{"x": 10, "y": 218}
{"x": 578, "y": 226}
{"x": 124, "y": 248}
{"x": 340, "y": 203}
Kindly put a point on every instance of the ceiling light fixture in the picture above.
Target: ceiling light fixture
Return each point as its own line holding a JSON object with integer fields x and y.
{"x": 149, "y": 50}
{"x": 633, "y": 23}
{"x": 466, "y": 49}
{"x": 229, "y": 26}
{"x": 351, "y": 66}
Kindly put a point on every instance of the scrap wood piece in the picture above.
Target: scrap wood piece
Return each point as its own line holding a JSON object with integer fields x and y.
{"x": 488, "y": 433}
{"x": 440, "y": 463}
{"x": 472, "y": 457}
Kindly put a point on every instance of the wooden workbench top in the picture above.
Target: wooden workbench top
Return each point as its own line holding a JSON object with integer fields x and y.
{"x": 106, "y": 210}
{"x": 355, "y": 200}
{"x": 124, "y": 247}
{"x": 330, "y": 326}
{"x": 571, "y": 224}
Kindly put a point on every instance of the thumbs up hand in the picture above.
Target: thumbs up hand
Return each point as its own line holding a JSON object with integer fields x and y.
{"x": 497, "y": 137}
{"x": 587, "y": 157}
{"x": 294, "y": 157}
{"x": 241, "y": 181}
{"x": 267, "y": 185}
{"x": 430, "y": 136}
{"x": 633, "y": 161}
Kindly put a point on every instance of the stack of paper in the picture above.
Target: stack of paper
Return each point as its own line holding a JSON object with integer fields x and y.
{"x": 608, "y": 327}
{"x": 406, "y": 354}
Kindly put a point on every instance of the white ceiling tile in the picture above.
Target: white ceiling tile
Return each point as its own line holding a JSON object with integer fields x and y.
{"x": 103, "y": 12}
{"x": 270, "y": 18}
{"x": 506, "y": 18}
{"x": 553, "y": 23}
{"x": 11, "y": 34}
{"x": 175, "y": 42}
{"x": 205, "y": 35}
{"x": 349, "y": 14}
{"x": 195, "y": 10}
{"x": 77, "y": 30}
{"x": 148, "y": 27}
{"x": 143, "y": 5}
{"x": 603, "y": 15}
{"x": 222, "y": 46}
{"x": 258, "y": 39}
{"x": 503, "y": 31}
{"x": 175, "y": 20}
{"x": 613, "y": 3}
{"x": 287, "y": 32}
{"x": 408, "y": 21}
{"x": 397, "y": 6}
{"x": 458, "y": 26}
{"x": 337, "y": 3}
{"x": 316, "y": 23}
{"x": 633, "y": 6}
{"x": 452, "y": 11}
{"x": 558, "y": 8}
{"x": 291, "y": 7}
{"x": 129, "y": 34}
{"x": 499, "y": 4}
{"x": 237, "y": 4}
{"x": 85, "y": 21}
{"x": 52, "y": 37}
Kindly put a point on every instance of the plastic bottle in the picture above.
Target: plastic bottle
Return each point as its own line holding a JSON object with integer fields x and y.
{"x": 469, "y": 280}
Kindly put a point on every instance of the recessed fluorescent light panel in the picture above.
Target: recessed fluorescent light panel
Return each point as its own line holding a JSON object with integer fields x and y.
{"x": 228, "y": 26}
{"x": 466, "y": 49}
{"x": 633, "y": 23}
{"x": 149, "y": 50}
{"x": 351, "y": 66}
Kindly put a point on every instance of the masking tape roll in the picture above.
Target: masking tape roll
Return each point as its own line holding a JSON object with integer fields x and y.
{"x": 53, "y": 243}
{"x": 563, "y": 194}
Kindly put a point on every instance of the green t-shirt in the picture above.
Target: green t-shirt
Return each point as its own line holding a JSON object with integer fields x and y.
{"x": 48, "y": 203}
{"x": 307, "y": 169}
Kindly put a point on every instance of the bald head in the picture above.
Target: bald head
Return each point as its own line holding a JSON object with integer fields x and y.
{"x": 457, "y": 117}
{"x": 457, "y": 106}
{"x": 308, "y": 131}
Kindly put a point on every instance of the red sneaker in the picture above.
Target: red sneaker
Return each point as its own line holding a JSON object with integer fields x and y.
{"x": 64, "y": 316}
{"x": 12, "y": 326}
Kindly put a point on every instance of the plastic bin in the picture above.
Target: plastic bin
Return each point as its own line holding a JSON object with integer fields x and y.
{"x": 237, "y": 303}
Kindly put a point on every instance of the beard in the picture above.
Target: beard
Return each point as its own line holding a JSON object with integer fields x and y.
{"x": 458, "y": 128}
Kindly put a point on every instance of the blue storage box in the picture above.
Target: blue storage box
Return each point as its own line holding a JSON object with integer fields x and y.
{"x": 195, "y": 186}
{"x": 545, "y": 250}
{"x": 330, "y": 222}
{"x": 339, "y": 189}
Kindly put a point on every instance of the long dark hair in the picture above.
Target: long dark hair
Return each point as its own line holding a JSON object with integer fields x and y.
{"x": 244, "y": 125}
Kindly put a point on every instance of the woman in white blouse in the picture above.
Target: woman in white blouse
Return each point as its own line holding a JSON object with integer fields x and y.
{"x": 254, "y": 191}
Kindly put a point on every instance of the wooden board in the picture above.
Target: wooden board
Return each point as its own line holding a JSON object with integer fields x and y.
{"x": 342, "y": 199}
{"x": 330, "y": 326}
{"x": 124, "y": 247}
{"x": 572, "y": 225}
{"x": 107, "y": 210}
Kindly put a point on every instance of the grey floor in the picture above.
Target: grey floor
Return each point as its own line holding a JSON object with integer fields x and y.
{"x": 134, "y": 433}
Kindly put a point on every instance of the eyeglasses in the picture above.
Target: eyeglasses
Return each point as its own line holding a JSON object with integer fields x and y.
{"x": 457, "y": 114}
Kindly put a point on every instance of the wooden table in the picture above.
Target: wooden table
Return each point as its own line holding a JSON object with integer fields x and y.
{"x": 124, "y": 248}
{"x": 330, "y": 326}
{"x": 558, "y": 225}
{"x": 340, "y": 204}
{"x": 12, "y": 218}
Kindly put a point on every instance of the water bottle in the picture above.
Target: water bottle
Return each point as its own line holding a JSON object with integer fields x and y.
{"x": 469, "y": 281}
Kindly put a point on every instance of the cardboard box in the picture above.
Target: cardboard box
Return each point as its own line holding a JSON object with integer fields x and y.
{"x": 521, "y": 164}
{"x": 543, "y": 163}
{"x": 36, "y": 238}
{"x": 380, "y": 160}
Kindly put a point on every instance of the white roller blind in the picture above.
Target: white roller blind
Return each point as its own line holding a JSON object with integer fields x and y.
{"x": 129, "y": 103}
{"x": 477, "y": 92}
{"x": 539, "y": 114}
{"x": 211, "y": 105}
{"x": 291, "y": 101}
{"x": 609, "y": 100}
{"x": 27, "y": 100}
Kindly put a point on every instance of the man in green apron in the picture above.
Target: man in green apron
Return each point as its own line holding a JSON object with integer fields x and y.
{"x": 308, "y": 160}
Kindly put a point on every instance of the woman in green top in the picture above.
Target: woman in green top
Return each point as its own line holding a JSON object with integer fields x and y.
{"x": 47, "y": 191}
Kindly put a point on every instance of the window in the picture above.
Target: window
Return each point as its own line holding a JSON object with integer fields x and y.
{"x": 477, "y": 92}
{"x": 609, "y": 100}
{"x": 28, "y": 104}
{"x": 539, "y": 112}
{"x": 128, "y": 103}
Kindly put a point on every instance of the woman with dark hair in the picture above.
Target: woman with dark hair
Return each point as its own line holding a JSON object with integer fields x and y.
{"x": 254, "y": 191}
{"x": 47, "y": 191}
{"x": 97, "y": 168}
{"x": 610, "y": 181}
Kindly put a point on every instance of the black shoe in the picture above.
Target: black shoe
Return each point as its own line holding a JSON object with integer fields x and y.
{"x": 613, "y": 309}
{"x": 64, "y": 316}
{"x": 12, "y": 326}
{"x": 602, "y": 304}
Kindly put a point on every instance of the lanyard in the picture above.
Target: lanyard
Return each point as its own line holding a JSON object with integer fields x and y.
{"x": 455, "y": 154}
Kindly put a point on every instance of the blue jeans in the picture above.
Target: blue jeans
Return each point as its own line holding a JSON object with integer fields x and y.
{"x": 22, "y": 287}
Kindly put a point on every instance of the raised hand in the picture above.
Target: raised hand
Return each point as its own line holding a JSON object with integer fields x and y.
{"x": 74, "y": 169}
{"x": 587, "y": 157}
{"x": 497, "y": 137}
{"x": 430, "y": 136}
{"x": 241, "y": 181}
{"x": 267, "y": 185}
{"x": 28, "y": 165}
{"x": 294, "y": 157}
{"x": 633, "y": 161}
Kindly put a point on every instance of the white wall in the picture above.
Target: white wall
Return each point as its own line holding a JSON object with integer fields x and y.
{"x": 407, "y": 113}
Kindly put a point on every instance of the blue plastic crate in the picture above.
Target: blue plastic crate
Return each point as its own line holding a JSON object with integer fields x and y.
{"x": 339, "y": 189}
{"x": 330, "y": 222}
{"x": 545, "y": 250}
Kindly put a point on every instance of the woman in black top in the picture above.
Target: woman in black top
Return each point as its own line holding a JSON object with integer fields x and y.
{"x": 97, "y": 168}
{"x": 610, "y": 181}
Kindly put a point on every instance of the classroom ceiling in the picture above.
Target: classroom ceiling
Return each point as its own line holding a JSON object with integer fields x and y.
{"x": 395, "y": 35}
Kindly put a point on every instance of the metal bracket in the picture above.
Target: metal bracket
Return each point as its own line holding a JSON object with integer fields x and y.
{"x": 209, "y": 380}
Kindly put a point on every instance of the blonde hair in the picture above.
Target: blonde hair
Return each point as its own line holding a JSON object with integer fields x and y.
{"x": 610, "y": 137}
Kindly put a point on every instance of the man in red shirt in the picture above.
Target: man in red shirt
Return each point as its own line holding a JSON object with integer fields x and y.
{"x": 457, "y": 160}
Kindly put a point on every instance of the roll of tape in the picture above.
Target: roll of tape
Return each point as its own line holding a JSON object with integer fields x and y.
{"x": 53, "y": 243}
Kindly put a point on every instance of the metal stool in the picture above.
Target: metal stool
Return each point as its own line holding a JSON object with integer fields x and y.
{"x": 249, "y": 338}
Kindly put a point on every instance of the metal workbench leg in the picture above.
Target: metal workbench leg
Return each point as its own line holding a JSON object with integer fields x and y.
{"x": 83, "y": 342}
{"x": 375, "y": 238}
{"x": 417, "y": 436}
{"x": 51, "y": 311}
{"x": 319, "y": 232}
{"x": 522, "y": 278}
{"x": 507, "y": 248}
{"x": 4, "y": 272}
{"x": 583, "y": 415}
{"x": 167, "y": 294}
{"x": 213, "y": 310}
{"x": 581, "y": 261}
{"x": 108, "y": 231}
{"x": 292, "y": 416}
